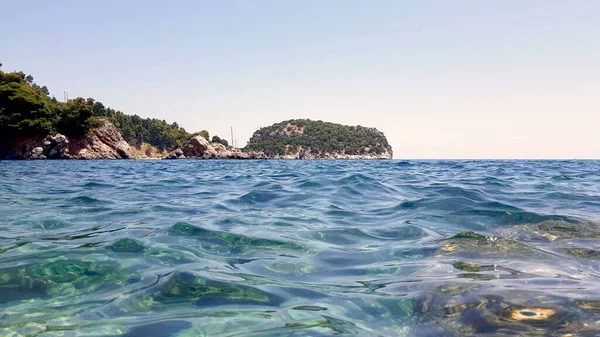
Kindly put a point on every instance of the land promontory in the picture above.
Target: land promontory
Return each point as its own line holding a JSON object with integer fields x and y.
{"x": 35, "y": 125}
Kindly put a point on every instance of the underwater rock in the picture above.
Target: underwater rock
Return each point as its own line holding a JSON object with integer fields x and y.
{"x": 62, "y": 278}
{"x": 553, "y": 230}
{"x": 470, "y": 236}
{"x": 530, "y": 314}
{"x": 188, "y": 287}
{"x": 582, "y": 252}
{"x": 127, "y": 245}
{"x": 471, "y": 242}
{"x": 290, "y": 268}
{"x": 224, "y": 242}
{"x": 593, "y": 305}
{"x": 467, "y": 266}
{"x": 469, "y": 310}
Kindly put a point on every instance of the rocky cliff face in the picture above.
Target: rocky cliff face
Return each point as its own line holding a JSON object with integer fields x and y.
{"x": 200, "y": 148}
{"x": 102, "y": 142}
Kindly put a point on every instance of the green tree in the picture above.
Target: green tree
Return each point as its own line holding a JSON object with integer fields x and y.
{"x": 99, "y": 110}
{"x": 74, "y": 117}
{"x": 217, "y": 139}
{"x": 24, "y": 111}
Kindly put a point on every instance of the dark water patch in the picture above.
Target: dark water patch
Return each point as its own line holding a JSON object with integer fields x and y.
{"x": 309, "y": 308}
{"x": 158, "y": 329}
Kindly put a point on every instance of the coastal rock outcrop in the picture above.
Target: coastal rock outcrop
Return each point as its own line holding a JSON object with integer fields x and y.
{"x": 36, "y": 153}
{"x": 101, "y": 142}
{"x": 53, "y": 147}
{"x": 56, "y": 146}
{"x": 199, "y": 148}
{"x": 176, "y": 154}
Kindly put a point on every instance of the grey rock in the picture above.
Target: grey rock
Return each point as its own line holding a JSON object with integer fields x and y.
{"x": 200, "y": 148}
{"x": 176, "y": 154}
{"x": 102, "y": 142}
{"x": 36, "y": 153}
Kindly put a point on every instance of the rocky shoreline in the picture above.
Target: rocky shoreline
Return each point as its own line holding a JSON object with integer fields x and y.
{"x": 101, "y": 142}
{"x": 199, "y": 148}
{"x": 106, "y": 142}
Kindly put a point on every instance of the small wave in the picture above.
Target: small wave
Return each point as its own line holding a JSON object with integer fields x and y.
{"x": 85, "y": 200}
{"x": 361, "y": 182}
{"x": 257, "y": 197}
{"x": 403, "y": 163}
{"x": 97, "y": 185}
{"x": 399, "y": 233}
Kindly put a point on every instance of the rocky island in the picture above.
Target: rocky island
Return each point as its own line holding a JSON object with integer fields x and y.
{"x": 307, "y": 139}
{"x": 34, "y": 125}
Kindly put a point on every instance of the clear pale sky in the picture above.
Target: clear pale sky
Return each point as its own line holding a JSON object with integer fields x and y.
{"x": 442, "y": 79}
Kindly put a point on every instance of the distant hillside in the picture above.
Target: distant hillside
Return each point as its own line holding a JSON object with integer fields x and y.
{"x": 304, "y": 138}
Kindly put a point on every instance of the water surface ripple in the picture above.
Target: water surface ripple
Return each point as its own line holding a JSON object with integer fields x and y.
{"x": 299, "y": 248}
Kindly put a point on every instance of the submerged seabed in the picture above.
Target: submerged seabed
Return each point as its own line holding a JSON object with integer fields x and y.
{"x": 299, "y": 248}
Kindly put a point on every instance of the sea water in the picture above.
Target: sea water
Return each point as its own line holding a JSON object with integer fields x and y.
{"x": 299, "y": 248}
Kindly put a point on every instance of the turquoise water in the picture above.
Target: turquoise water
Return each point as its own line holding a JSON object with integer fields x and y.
{"x": 299, "y": 248}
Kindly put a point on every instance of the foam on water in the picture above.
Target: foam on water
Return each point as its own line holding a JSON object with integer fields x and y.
{"x": 299, "y": 248}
